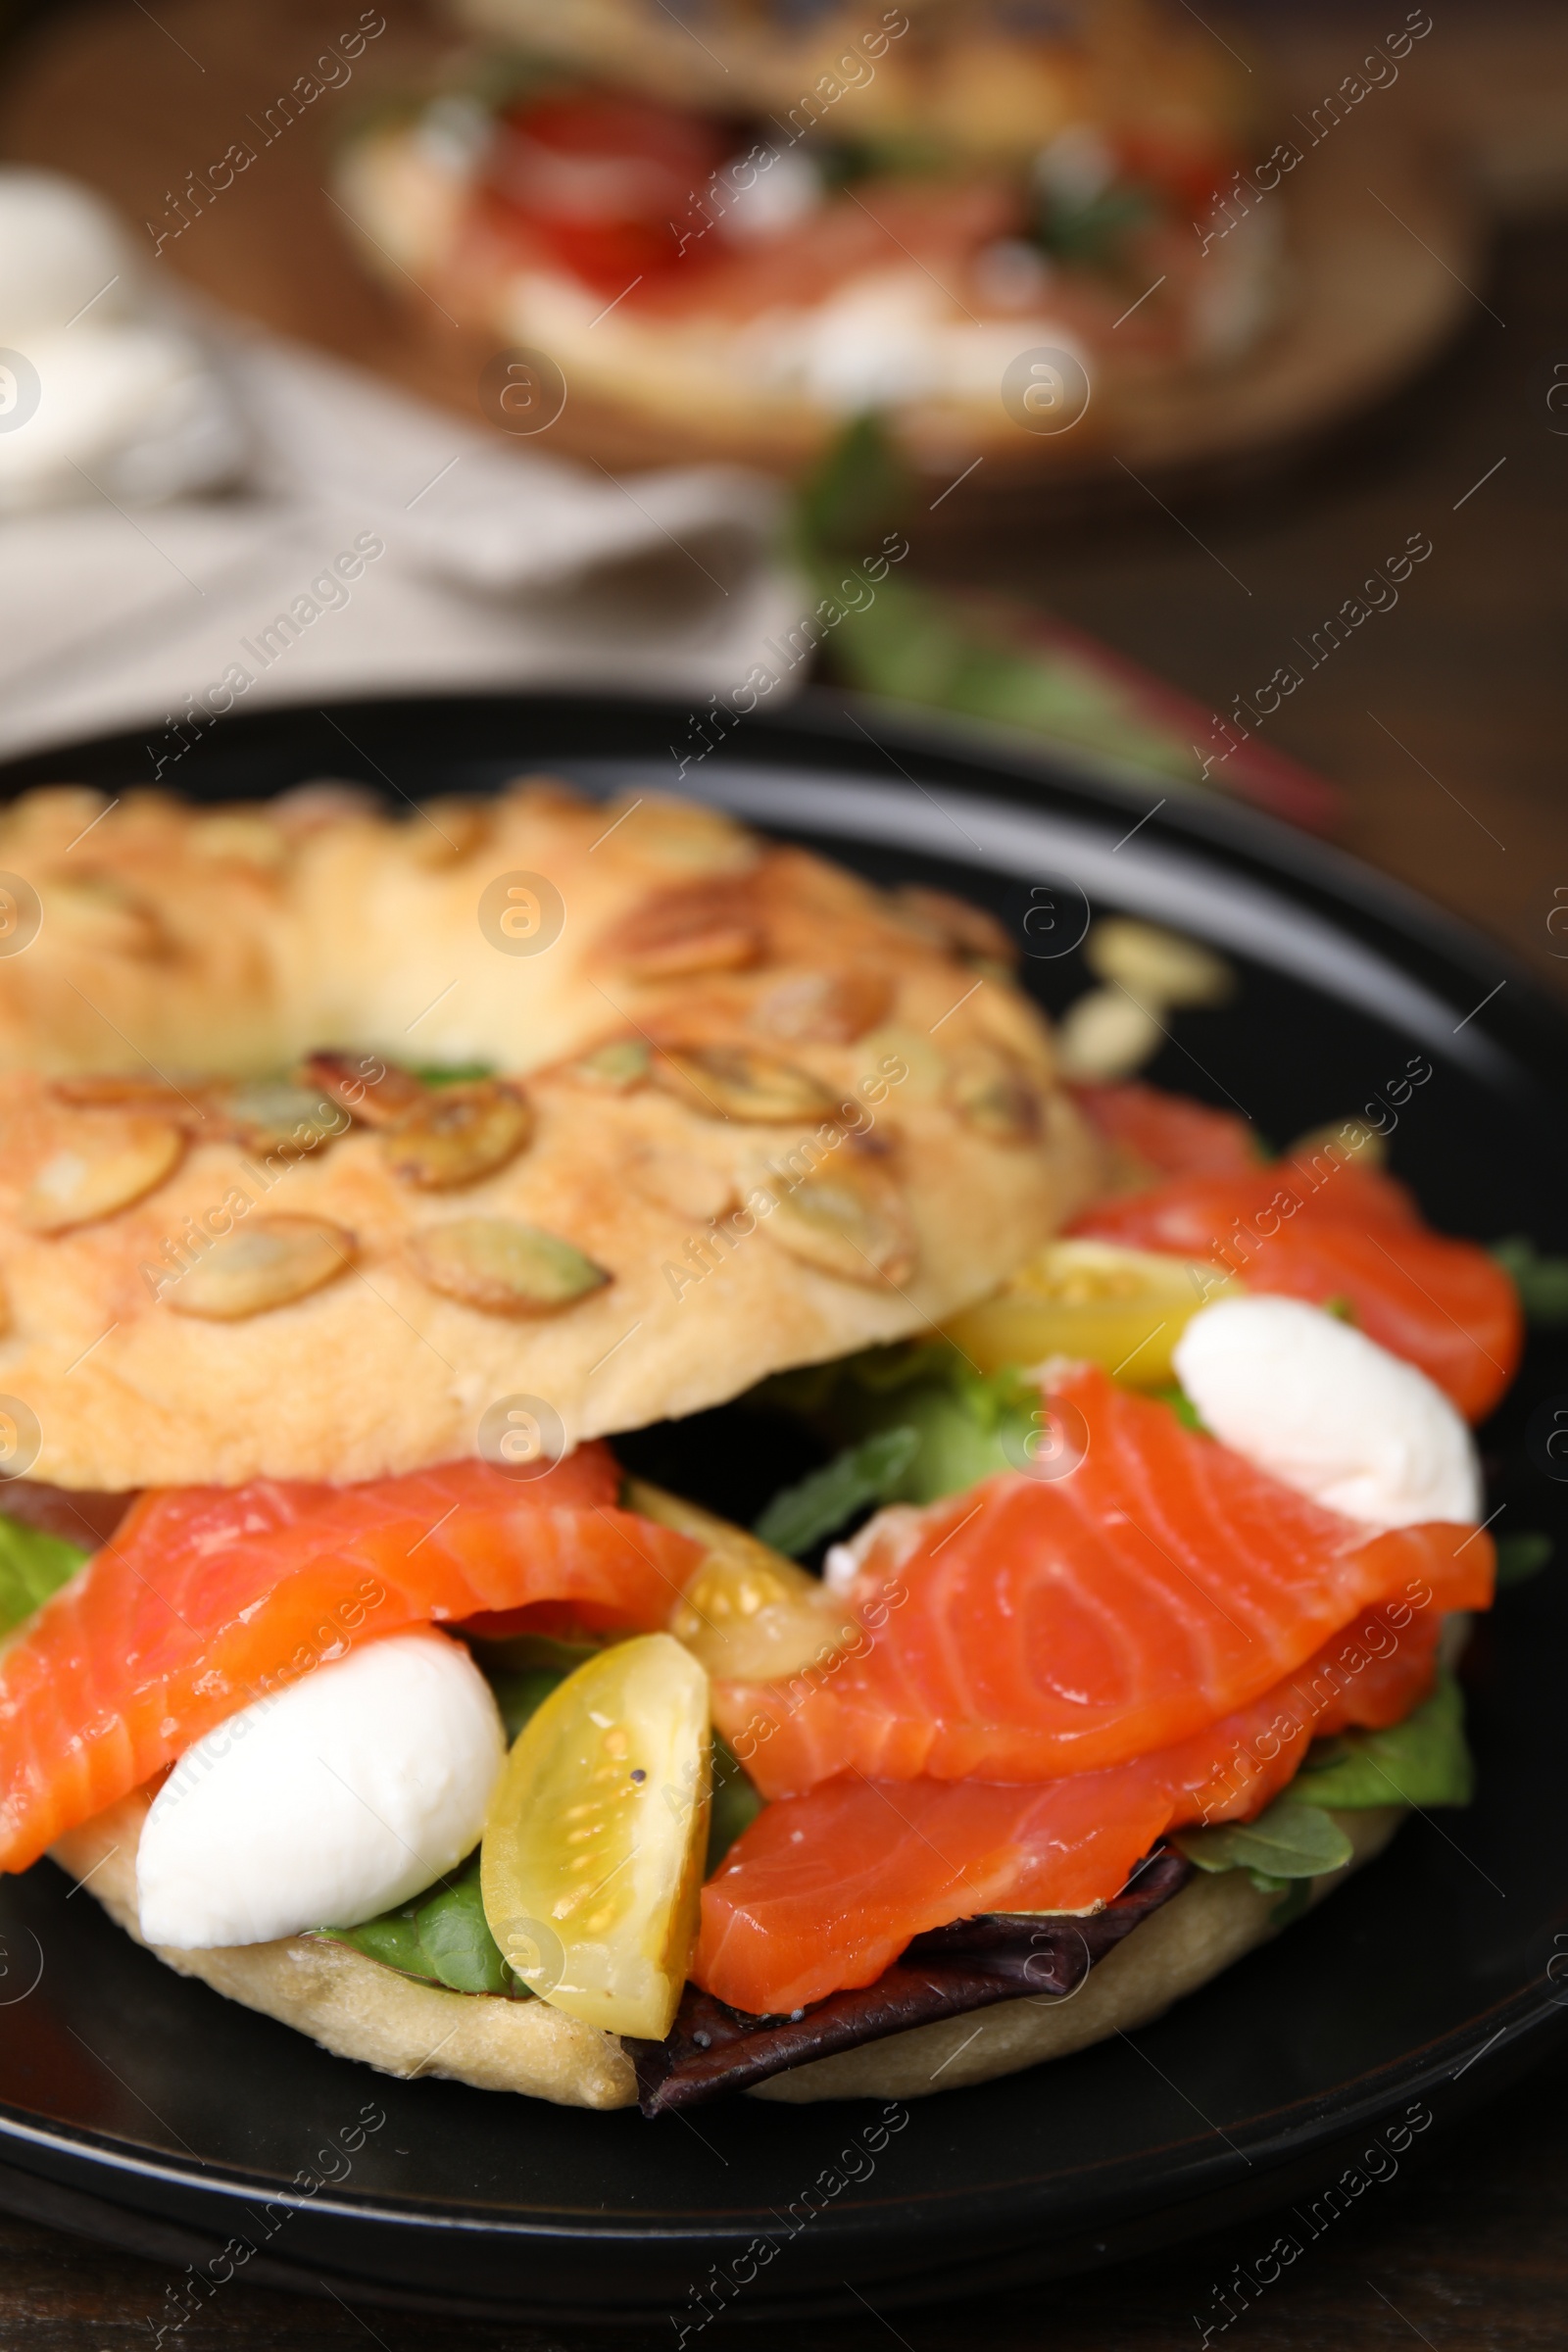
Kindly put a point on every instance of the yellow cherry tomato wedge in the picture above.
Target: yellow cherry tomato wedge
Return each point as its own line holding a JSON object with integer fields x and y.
{"x": 1122, "y": 1309}
{"x": 747, "y": 1612}
{"x": 593, "y": 1851}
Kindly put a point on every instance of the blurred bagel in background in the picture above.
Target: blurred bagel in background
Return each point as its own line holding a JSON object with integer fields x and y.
{"x": 727, "y": 236}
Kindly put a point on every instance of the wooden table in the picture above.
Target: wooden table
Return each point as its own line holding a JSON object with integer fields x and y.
{"x": 1442, "y": 716}
{"x": 1444, "y": 721}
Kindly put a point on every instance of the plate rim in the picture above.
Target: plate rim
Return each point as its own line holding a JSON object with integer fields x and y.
{"x": 1020, "y": 768}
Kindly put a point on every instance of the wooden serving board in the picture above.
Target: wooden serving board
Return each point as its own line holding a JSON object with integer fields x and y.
{"x": 1383, "y": 241}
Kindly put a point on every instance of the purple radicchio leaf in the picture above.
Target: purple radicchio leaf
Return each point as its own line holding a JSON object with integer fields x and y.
{"x": 1000, "y": 1956}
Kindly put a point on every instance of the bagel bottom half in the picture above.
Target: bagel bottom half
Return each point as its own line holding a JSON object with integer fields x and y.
{"x": 358, "y": 2008}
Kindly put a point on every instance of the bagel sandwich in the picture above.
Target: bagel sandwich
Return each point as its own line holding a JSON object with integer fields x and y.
{"x": 426, "y": 1244}
{"x": 727, "y": 244}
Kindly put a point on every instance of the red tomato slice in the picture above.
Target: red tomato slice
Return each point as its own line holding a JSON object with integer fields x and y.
{"x": 599, "y": 182}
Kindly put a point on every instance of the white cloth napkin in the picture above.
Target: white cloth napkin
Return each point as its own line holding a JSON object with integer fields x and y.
{"x": 372, "y": 543}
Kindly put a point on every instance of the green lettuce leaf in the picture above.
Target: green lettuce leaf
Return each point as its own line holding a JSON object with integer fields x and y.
{"x": 968, "y": 1425}
{"x": 860, "y": 486}
{"x": 913, "y": 644}
{"x": 455, "y": 1940}
{"x": 1422, "y": 1761}
{"x": 1291, "y": 1840}
{"x": 1521, "y": 1556}
{"x": 393, "y": 1939}
{"x": 441, "y": 1937}
{"x": 1425, "y": 1760}
{"x": 1094, "y": 230}
{"x": 799, "y": 1517}
{"x": 1542, "y": 1282}
{"x": 736, "y": 1803}
{"x": 520, "y": 1692}
{"x": 1297, "y": 1893}
{"x": 32, "y": 1565}
{"x": 524, "y": 1669}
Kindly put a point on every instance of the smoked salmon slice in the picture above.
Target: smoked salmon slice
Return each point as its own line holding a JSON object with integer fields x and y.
{"x": 1320, "y": 1231}
{"x": 1198, "y": 1215}
{"x": 1034, "y": 1626}
{"x": 208, "y": 1598}
{"x": 1170, "y": 1134}
{"x": 824, "y": 1891}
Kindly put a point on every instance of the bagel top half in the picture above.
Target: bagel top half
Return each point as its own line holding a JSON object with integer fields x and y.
{"x": 977, "y": 75}
{"x": 729, "y": 1109}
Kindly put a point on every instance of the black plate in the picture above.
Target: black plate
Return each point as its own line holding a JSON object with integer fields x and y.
{"x": 149, "y": 2111}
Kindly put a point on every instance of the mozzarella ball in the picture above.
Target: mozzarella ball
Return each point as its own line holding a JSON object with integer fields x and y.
{"x": 1326, "y": 1410}
{"x": 330, "y": 1802}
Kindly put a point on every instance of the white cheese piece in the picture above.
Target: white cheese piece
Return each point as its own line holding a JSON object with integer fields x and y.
{"x": 134, "y": 408}
{"x": 103, "y": 391}
{"x": 61, "y": 252}
{"x": 888, "y": 338}
{"x": 1324, "y": 1410}
{"x": 327, "y": 1803}
{"x": 778, "y": 194}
